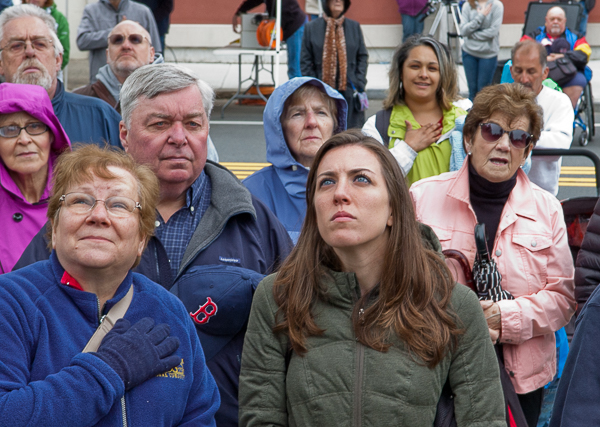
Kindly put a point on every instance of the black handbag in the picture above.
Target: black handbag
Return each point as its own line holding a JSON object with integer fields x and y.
{"x": 561, "y": 70}
{"x": 486, "y": 276}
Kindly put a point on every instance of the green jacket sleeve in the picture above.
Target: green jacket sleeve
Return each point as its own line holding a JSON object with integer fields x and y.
{"x": 63, "y": 34}
{"x": 474, "y": 373}
{"x": 262, "y": 395}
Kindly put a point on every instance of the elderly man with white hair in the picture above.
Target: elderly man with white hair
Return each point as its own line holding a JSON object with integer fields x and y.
{"x": 32, "y": 54}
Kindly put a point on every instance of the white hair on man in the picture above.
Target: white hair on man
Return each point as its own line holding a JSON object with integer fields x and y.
{"x": 25, "y": 10}
{"x": 152, "y": 80}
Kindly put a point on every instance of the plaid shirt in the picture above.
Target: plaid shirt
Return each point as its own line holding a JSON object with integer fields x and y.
{"x": 176, "y": 234}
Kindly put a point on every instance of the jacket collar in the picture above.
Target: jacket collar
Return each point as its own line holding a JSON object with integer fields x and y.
{"x": 87, "y": 302}
{"x": 519, "y": 201}
{"x": 229, "y": 197}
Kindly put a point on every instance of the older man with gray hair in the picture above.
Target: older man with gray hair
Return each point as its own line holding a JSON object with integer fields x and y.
{"x": 213, "y": 241}
{"x": 530, "y": 69}
{"x": 32, "y": 54}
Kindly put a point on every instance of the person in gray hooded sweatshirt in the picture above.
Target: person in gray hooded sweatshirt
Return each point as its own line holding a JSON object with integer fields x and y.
{"x": 300, "y": 116}
{"x": 100, "y": 18}
{"x": 480, "y": 28}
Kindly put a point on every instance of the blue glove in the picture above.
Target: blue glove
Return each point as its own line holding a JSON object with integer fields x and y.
{"x": 139, "y": 352}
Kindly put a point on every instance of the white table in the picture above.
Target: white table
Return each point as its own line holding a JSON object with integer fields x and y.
{"x": 258, "y": 65}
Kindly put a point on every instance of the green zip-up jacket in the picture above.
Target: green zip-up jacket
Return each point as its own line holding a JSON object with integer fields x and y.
{"x": 62, "y": 31}
{"x": 340, "y": 382}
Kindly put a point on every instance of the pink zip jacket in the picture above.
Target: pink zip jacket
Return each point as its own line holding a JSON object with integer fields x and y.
{"x": 20, "y": 219}
{"x": 532, "y": 254}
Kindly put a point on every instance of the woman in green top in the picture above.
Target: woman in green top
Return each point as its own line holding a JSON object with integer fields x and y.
{"x": 363, "y": 324}
{"x": 62, "y": 25}
{"x": 422, "y": 102}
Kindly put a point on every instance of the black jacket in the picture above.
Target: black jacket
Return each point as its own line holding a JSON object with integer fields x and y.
{"x": 292, "y": 16}
{"x": 587, "y": 265}
{"x": 311, "y": 61}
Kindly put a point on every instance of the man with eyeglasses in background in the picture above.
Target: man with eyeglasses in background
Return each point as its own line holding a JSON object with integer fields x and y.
{"x": 30, "y": 53}
{"x": 529, "y": 68}
{"x": 100, "y": 18}
{"x": 129, "y": 48}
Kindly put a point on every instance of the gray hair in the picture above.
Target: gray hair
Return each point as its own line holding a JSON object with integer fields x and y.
{"x": 26, "y": 10}
{"x": 528, "y": 46}
{"x": 152, "y": 80}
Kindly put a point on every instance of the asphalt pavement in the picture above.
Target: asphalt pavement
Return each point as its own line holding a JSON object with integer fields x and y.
{"x": 239, "y": 138}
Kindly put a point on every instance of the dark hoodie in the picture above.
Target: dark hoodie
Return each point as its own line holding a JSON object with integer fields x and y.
{"x": 327, "y": 11}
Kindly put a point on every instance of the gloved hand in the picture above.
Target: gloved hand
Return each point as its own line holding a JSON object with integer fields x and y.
{"x": 139, "y": 352}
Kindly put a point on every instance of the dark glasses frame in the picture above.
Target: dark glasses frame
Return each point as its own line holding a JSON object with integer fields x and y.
{"x": 515, "y": 137}
{"x": 119, "y": 39}
{"x": 13, "y": 131}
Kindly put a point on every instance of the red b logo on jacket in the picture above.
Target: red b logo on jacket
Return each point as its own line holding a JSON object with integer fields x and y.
{"x": 205, "y": 312}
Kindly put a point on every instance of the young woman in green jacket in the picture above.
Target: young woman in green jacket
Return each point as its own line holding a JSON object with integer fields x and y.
{"x": 363, "y": 324}
{"x": 422, "y": 105}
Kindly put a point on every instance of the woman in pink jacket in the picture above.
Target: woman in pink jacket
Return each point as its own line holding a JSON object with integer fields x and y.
{"x": 526, "y": 234}
{"x": 31, "y": 138}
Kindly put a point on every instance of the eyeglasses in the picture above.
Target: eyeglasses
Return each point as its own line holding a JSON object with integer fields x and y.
{"x": 120, "y": 39}
{"x": 12, "y": 131}
{"x": 82, "y": 203}
{"x": 16, "y": 47}
{"x": 492, "y": 132}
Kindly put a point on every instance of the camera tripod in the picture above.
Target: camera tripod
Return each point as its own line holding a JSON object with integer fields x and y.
{"x": 445, "y": 8}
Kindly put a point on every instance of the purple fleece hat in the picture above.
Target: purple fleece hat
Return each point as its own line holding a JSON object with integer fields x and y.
{"x": 33, "y": 100}
{"x": 560, "y": 45}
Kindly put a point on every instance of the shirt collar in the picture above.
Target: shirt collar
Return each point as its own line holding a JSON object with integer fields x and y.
{"x": 194, "y": 193}
{"x": 69, "y": 280}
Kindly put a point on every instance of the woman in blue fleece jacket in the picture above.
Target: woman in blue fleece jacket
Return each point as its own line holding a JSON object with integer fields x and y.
{"x": 151, "y": 373}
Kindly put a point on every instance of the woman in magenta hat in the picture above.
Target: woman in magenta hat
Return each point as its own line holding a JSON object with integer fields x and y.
{"x": 31, "y": 138}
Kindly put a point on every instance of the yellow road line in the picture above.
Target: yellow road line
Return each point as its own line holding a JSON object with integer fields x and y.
{"x": 569, "y": 174}
{"x": 243, "y": 170}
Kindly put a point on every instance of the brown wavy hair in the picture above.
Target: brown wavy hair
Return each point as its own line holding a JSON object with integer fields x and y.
{"x": 88, "y": 160}
{"x": 513, "y": 100}
{"x": 413, "y": 296}
{"x": 447, "y": 91}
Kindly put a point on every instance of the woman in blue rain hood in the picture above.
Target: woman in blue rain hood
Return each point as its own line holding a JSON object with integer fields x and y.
{"x": 299, "y": 117}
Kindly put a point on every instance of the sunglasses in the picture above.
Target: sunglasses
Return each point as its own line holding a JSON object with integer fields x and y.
{"x": 120, "y": 39}
{"x": 492, "y": 132}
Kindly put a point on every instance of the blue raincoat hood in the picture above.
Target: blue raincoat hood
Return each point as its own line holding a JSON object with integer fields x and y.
{"x": 293, "y": 175}
{"x": 282, "y": 187}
